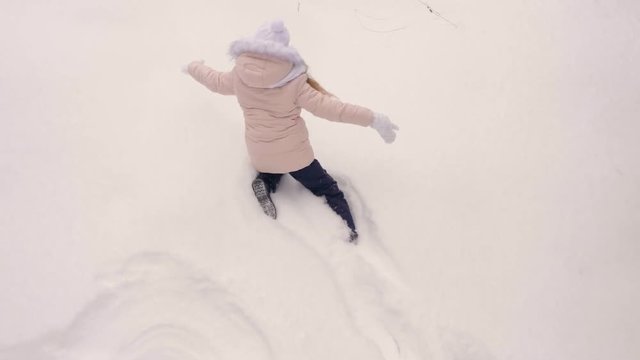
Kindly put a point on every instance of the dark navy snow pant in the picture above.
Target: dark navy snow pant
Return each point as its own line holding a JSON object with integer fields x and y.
{"x": 320, "y": 183}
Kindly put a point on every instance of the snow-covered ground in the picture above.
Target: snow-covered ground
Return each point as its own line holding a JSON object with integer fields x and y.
{"x": 504, "y": 223}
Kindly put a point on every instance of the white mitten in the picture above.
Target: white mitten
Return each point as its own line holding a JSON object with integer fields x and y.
{"x": 185, "y": 68}
{"x": 384, "y": 127}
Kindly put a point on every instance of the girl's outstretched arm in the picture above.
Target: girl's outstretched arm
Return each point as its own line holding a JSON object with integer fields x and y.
{"x": 331, "y": 108}
{"x": 216, "y": 81}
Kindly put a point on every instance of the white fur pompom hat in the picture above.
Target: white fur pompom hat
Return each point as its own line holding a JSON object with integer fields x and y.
{"x": 273, "y": 31}
{"x": 271, "y": 39}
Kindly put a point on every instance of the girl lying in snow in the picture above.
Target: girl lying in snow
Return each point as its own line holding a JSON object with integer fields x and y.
{"x": 270, "y": 82}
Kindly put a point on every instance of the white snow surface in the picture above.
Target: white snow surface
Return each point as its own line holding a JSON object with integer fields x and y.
{"x": 504, "y": 222}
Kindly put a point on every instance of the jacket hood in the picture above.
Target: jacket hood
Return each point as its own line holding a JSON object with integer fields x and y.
{"x": 266, "y": 60}
{"x": 261, "y": 72}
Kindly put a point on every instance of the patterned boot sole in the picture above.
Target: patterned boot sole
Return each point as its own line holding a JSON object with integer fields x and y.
{"x": 262, "y": 194}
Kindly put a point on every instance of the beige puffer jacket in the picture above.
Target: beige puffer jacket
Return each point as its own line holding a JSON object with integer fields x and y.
{"x": 275, "y": 133}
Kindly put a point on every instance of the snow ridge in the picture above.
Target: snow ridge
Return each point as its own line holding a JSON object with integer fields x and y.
{"x": 157, "y": 307}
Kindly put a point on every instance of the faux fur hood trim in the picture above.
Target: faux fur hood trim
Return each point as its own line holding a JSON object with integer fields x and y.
{"x": 266, "y": 48}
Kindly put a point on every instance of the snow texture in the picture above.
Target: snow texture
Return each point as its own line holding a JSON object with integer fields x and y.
{"x": 503, "y": 223}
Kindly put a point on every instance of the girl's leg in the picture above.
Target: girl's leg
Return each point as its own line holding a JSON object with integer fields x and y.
{"x": 271, "y": 180}
{"x": 263, "y": 185}
{"x": 316, "y": 179}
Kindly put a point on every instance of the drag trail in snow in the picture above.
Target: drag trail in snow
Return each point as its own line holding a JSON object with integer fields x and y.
{"x": 379, "y": 304}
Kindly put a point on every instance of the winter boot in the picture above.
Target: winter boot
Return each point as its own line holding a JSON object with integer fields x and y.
{"x": 261, "y": 191}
